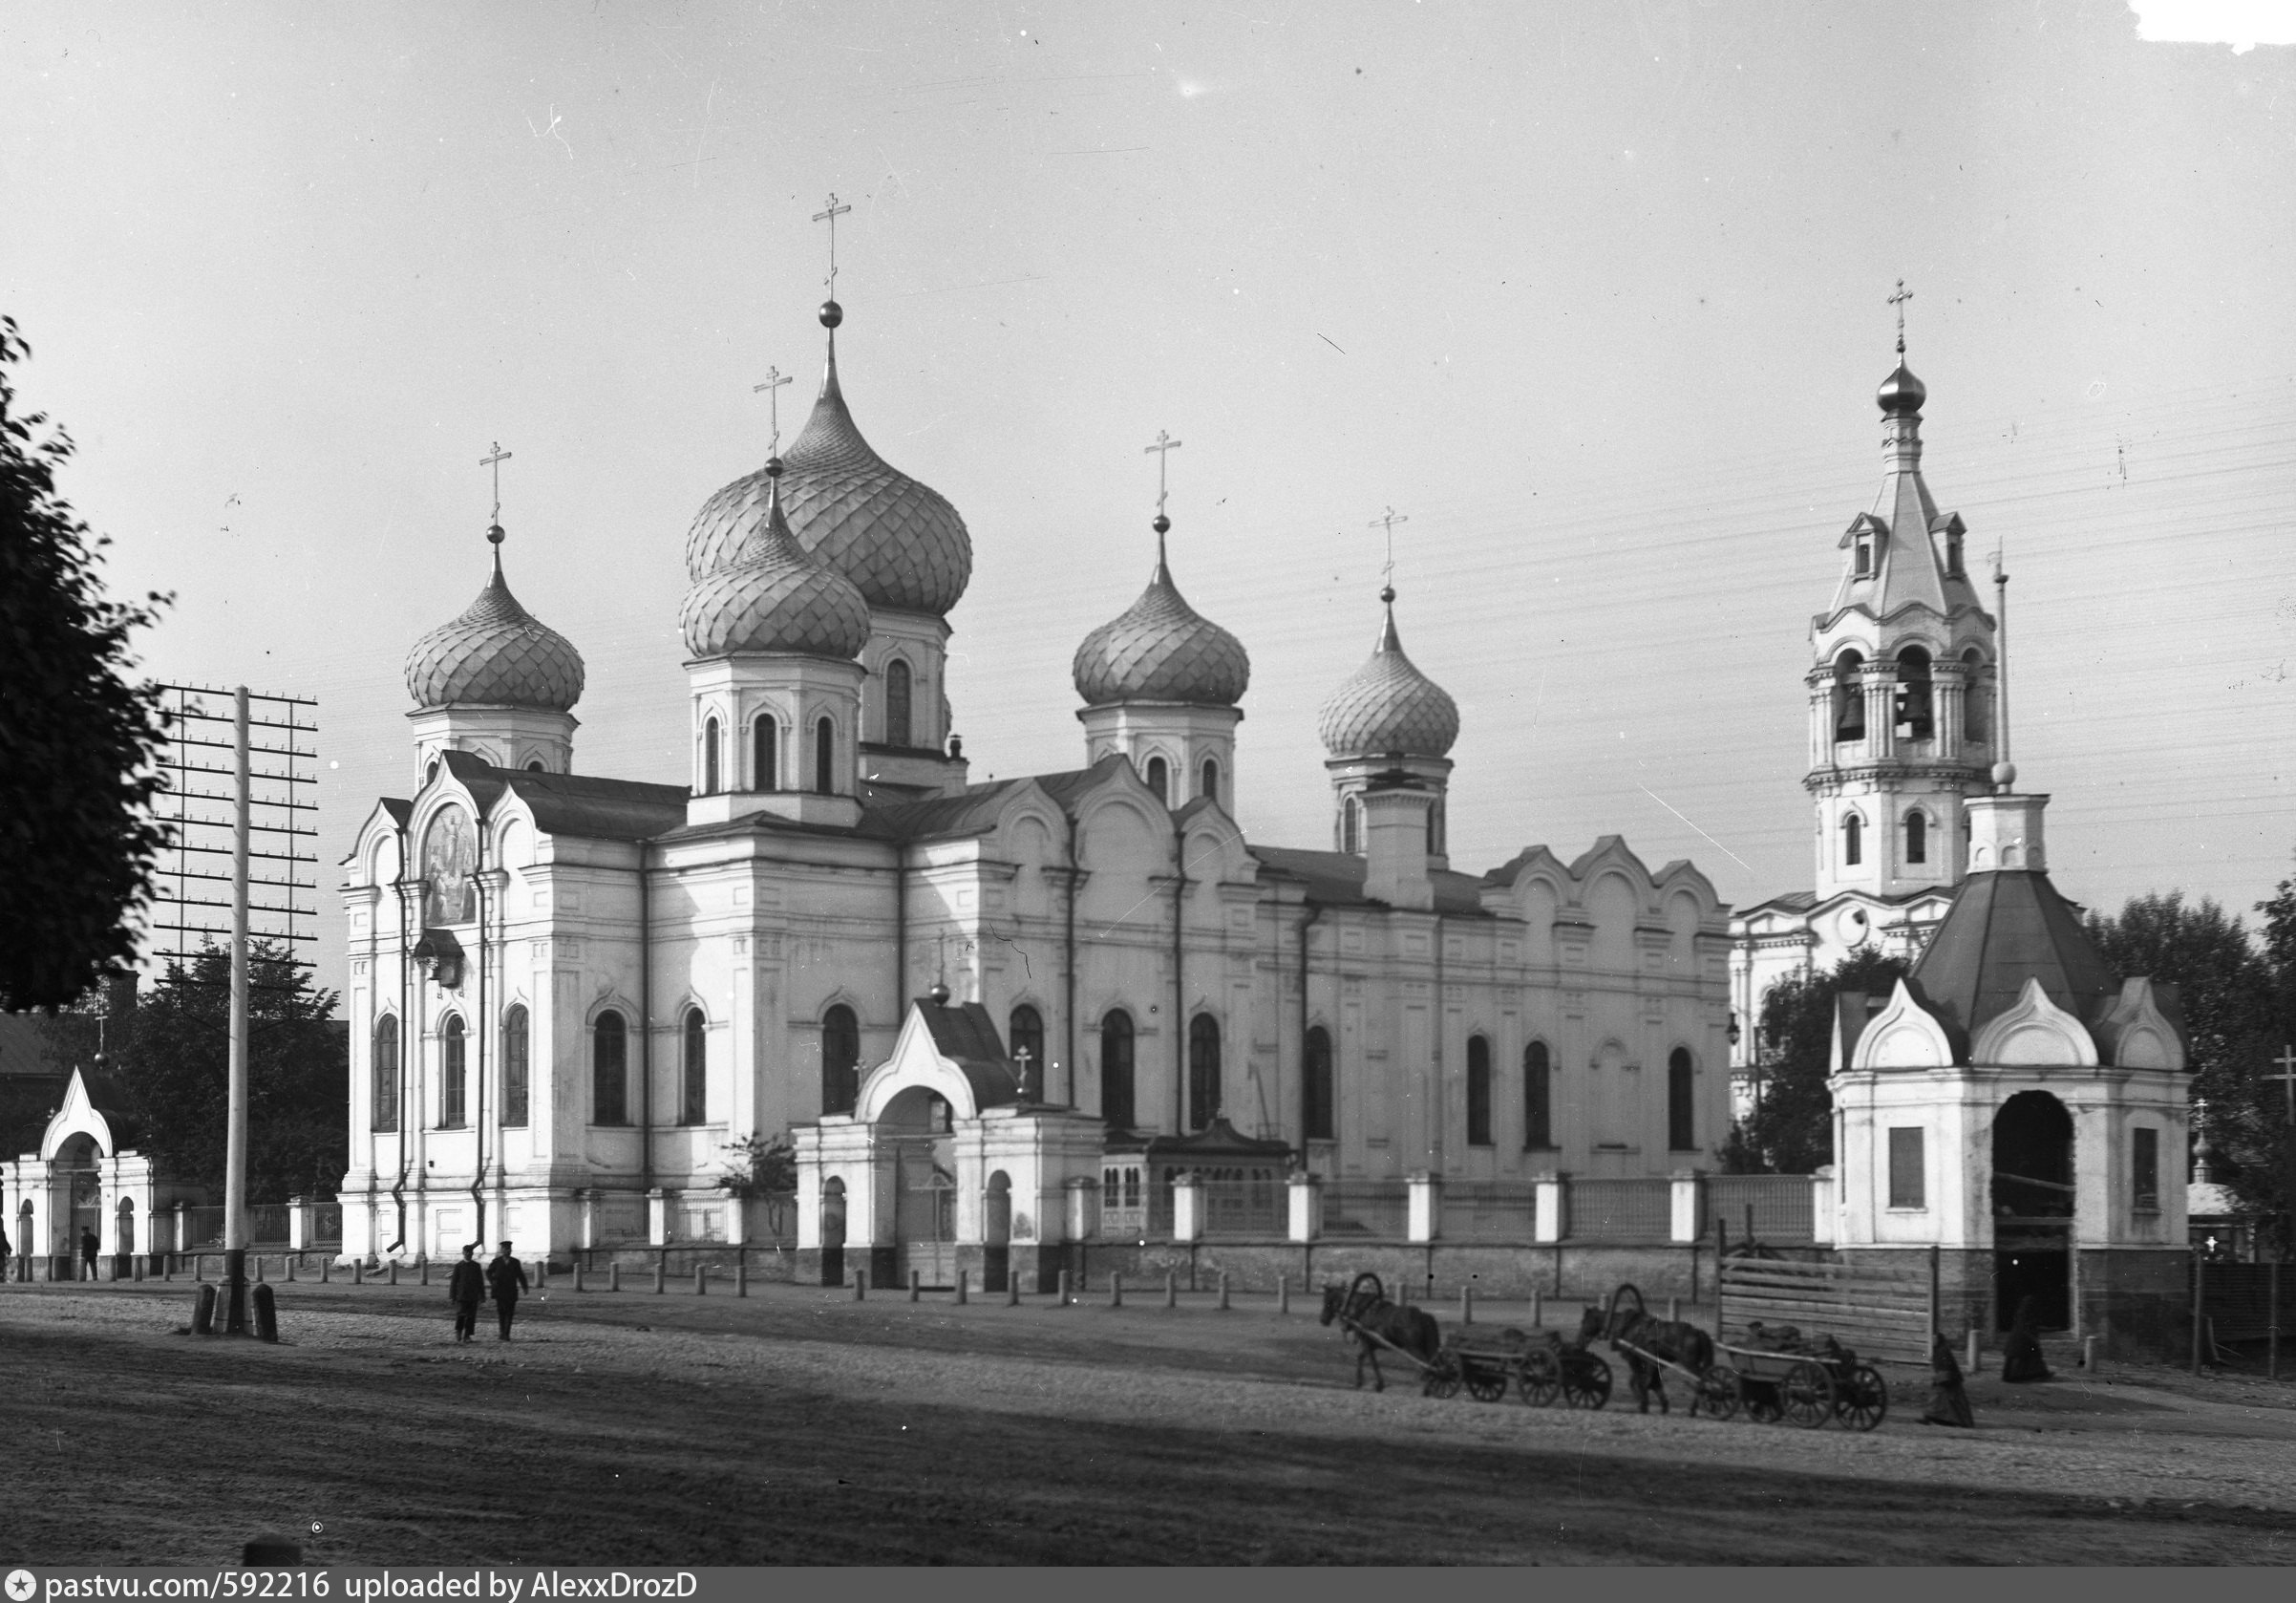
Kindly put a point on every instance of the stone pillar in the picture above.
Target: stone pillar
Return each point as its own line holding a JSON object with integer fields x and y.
{"x": 1187, "y": 1208}
{"x": 1307, "y": 1207}
{"x": 1825, "y": 1206}
{"x": 182, "y": 1226}
{"x": 1426, "y": 1206}
{"x": 738, "y": 1220}
{"x": 657, "y": 1217}
{"x": 299, "y": 1222}
{"x": 1083, "y": 1206}
{"x": 1687, "y": 1210}
{"x": 586, "y": 1200}
{"x": 1550, "y": 1213}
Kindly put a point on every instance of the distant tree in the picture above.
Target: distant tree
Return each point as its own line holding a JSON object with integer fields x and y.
{"x": 76, "y": 739}
{"x": 1791, "y": 1130}
{"x": 760, "y": 1166}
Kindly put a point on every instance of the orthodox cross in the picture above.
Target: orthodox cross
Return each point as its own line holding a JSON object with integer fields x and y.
{"x": 1899, "y": 301}
{"x": 1162, "y": 450}
{"x": 1022, "y": 1058}
{"x": 830, "y": 216}
{"x": 2288, "y": 1077}
{"x": 1387, "y": 520}
{"x": 495, "y": 462}
{"x": 774, "y": 378}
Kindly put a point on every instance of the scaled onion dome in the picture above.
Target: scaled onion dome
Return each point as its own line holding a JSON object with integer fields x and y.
{"x": 496, "y": 654}
{"x": 1387, "y": 708}
{"x": 774, "y": 596}
{"x": 898, "y": 541}
{"x": 1162, "y": 648}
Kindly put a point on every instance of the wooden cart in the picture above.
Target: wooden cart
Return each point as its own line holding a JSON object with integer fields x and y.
{"x": 1543, "y": 1369}
{"x": 1806, "y": 1389}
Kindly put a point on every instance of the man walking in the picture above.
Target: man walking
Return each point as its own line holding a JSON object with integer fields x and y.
{"x": 466, "y": 1289}
{"x": 88, "y": 1245}
{"x": 506, "y": 1279}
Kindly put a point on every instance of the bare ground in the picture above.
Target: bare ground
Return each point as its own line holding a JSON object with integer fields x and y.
{"x": 797, "y": 1426}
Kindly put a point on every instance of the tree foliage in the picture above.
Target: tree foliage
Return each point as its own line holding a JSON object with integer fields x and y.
{"x": 1791, "y": 1130}
{"x": 761, "y": 1166}
{"x": 76, "y": 739}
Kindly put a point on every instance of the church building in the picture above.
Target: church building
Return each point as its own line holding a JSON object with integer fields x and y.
{"x": 569, "y": 993}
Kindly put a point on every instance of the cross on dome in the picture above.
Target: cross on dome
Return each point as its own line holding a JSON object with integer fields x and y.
{"x": 774, "y": 378}
{"x": 494, "y": 521}
{"x": 1899, "y": 301}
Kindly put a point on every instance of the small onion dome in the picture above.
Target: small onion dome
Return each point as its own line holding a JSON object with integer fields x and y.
{"x": 1900, "y": 392}
{"x": 901, "y": 542}
{"x": 496, "y": 654}
{"x": 1162, "y": 648}
{"x": 774, "y": 597}
{"x": 1387, "y": 708}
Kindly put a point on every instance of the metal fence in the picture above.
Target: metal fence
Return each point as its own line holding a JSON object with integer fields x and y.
{"x": 1622, "y": 1211}
{"x": 1254, "y": 1206}
{"x": 1783, "y": 1209}
{"x": 327, "y": 1223}
{"x": 1376, "y": 1209}
{"x": 1488, "y": 1210}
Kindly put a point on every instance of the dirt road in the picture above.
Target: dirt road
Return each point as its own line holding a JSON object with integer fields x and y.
{"x": 798, "y": 1426}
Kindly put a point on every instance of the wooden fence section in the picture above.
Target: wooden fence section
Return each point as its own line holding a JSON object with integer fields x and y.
{"x": 1883, "y": 1315}
{"x": 2238, "y": 1300}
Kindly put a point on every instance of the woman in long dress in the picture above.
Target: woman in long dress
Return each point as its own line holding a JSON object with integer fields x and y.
{"x": 1948, "y": 1404}
{"x": 2021, "y": 1354}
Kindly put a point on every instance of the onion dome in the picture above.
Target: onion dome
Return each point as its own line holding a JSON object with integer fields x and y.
{"x": 774, "y": 597}
{"x": 1160, "y": 649}
{"x": 901, "y": 542}
{"x": 1900, "y": 392}
{"x": 496, "y": 654}
{"x": 1387, "y": 708}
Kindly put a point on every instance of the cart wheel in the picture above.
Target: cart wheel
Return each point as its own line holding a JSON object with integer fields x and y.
{"x": 1540, "y": 1378}
{"x": 1807, "y": 1394}
{"x": 1443, "y": 1377}
{"x": 1587, "y": 1382}
{"x": 1718, "y": 1390}
{"x": 1864, "y": 1401}
{"x": 1486, "y": 1383}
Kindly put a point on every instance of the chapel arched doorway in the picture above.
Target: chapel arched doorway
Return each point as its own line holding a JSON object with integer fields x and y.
{"x": 917, "y": 1126}
{"x": 76, "y": 1165}
{"x": 2033, "y": 1197}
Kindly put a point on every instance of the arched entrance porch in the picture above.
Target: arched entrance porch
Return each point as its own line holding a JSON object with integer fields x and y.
{"x": 2032, "y": 1204}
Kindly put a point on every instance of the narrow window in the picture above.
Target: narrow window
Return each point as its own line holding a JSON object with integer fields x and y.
{"x": 766, "y": 757}
{"x": 1116, "y": 1069}
{"x": 515, "y": 1083}
{"x": 1917, "y": 838}
{"x": 824, "y": 757}
{"x": 897, "y": 703}
{"x": 1909, "y": 1186}
{"x": 1026, "y": 1035}
{"x": 451, "y": 1076}
{"x": 1479, "y": 1091}
{"x": 840, "y": 1060}
{"x": 1349, "y": 831}
{"x": 1210, "y": 790}
{"x": 1203, "y": 1070}
{"x": 1537, "y": 1099}
{"x": 1160, "y": 780}
{"x": 693, "y": 1104}
{"x": 1849, "y": 696}
{"x": 1316, "y": 1110}
{"x": 1865, "y": 556}
{"x": 709, "y": 784}
{"x": 1953, "y": 567}
{"x": 2144, "y": 1171}
{"x": 1914, "y": 707}
{"x": 386, "y": 1073}
{"x": 1682, "y": 1125}
{"x": 1852, "y": 840}
{"x": 610, "y": 1071}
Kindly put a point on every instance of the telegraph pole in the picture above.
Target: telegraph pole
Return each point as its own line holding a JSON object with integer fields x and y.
{"x": 235, "y": 1137}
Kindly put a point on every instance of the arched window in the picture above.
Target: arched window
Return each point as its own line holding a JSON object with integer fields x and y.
{"x": 1976, "y": 707}
{"x": 1116, "y": 1069}
{"x": 1203, "y": 1070}
{"x": 1681, "y": 1127}
{"x": 1917, "y": 838}
{"x": 1210, "y": 789}
{"x": 515, "y": 1080}
{"x": 386, "y": 1073}
{"x": 1915, "y": 715}
{"x": 1025, "y": 1033}
{"x": 693, "y": 1101}
{"x": 1852, "y": 840}
{"x": 610, "y": 1070}
{"x": 1350, "y": 830}
{"x": 453, "y": 1078}
{"x": 840, "y": 1060}
{"x": 1849, "y": 696}
{"x": 709, "y": 759}
{"x": 765, "y": 754}
{"x": 824, "y": 757}
{"x": 897, "y": 703}
{"x": 1316, "y": 1098}
{"x": 1479, "y": 1091}
{"x": 1537, "y": 1099}
{"x": 1159, "y": 779}
{"x": 536, "y": 767}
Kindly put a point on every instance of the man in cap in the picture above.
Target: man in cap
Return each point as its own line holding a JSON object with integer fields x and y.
{"x": 506, "y": 1279}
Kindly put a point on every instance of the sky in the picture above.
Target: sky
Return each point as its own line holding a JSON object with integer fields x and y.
{"x": 1595, "y": 296}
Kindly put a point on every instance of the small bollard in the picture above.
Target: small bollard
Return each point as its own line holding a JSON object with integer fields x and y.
{"x": 916, "y": 1286}
{"x": 661, "y": 1274}
{"x": 1466, "y": 1305}
{"x": 964, "y": 1276}
{"x": 326, "y": 1272}
{"x": 1063, "y": 1290}
{"x": 541, "y": 1272}
{"x": 136, "y": 1270}
{"x": 258, "y": 1269}
{"x": 860, "y": 1284}
{"x": 2089, "y": 1353}
{"x": 358, "y": 1272}
{"x": 1283, "y": 1293}
{"x": 1012, "y": 1288}
{"x": 203, "y": 1311}
{"x": 291, "y": 1272}
{"x": 198, "y": 1269}
{"x": 168, "y": 1269}
{"x": 578, "y": 1275}
{"x": 395, "y": 1271}
{"x": 1116, "y": 1288}
{"x": 1970, "y": 1362}
{"x": 1674, "y": 1310}
{"x": 614, "y": 1278}
{"x": 1223, "y": 1291}
{"x": 266, "y": 1314}
{"x": 1171, "y": 1289}
{"x": 741, "y": 1278}
{"x": 701, "y": 1281}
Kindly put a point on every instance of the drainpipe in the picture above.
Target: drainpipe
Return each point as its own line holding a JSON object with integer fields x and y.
{"x": 1434, "y": 1097}
{"x": 483, "y": 1029}
{"x": 1068, "y": 962}
{"x": 406, "y": 1008}
{"x": 1314, "y": 911}
{"x": 645, "y": 1023}
{"x": 901, "y": 932}
{"x": 1180, "y": 1003}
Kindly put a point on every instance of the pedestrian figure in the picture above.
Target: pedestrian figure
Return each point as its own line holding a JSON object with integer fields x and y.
{"x": 1948, "y": 1404}
{"x": 88, "y": 1244}
{"x": 506, "y": 1278}
{"x": 466, "y": 1289}
{"x": 3, "y": 1251}
{"x": 2021, "y": 1354}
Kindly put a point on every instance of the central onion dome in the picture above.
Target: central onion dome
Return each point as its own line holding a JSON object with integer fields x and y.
{"x": 1160, "y": 649}
{"x": 899, "y": 541}
{"x": 1387, "y": 708}
{"x": 496, "y": 654}
{"x": 1900, "y": 392}
{"x": 774, "y": 597}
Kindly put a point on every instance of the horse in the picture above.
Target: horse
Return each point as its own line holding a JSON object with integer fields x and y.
{"x": 1365, "y": 1313}
{"x": 1675, "y": 1340}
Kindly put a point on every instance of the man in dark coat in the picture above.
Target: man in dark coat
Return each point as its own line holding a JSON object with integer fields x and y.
{"x": 466, "y": 1289}
{"x": 88, "y": 1246}
{"x": 1948, "y": 1404}
{"x": 506, "y": 1278}
{"x": 2021, "y": 1353}
{"x": 3, "y": 1251}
